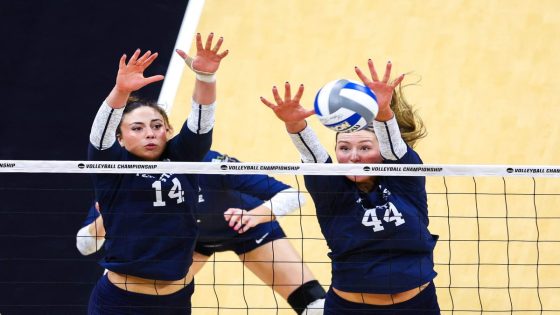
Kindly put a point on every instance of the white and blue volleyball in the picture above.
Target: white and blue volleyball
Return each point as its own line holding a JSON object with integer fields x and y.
{"x": 345, "y": 105}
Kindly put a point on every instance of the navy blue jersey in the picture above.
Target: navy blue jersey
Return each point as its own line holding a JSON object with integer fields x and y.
{"x": 379, "y": 241}
{"x": 221, "y": 192}
{"x": 149, "y": 218}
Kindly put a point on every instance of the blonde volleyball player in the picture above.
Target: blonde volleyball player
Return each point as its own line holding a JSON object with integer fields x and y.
{"x": 149, "y": 219}
{"x": 375, "y": 227}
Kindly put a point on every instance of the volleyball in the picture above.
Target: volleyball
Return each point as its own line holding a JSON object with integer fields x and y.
{"x": 345, "y": 105}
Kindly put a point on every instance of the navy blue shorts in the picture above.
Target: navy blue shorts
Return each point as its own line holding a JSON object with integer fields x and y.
{"x": 246, "y": 242}
{"x": 107, "y": 298}
{"x": 425, "y": 303}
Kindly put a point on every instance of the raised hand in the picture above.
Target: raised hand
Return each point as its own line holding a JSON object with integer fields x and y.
{"x": 289, "y": 109}
{"x": 130, "y": 76}
{"x": 207, "y": 59}
{"x": 383, "y": 89}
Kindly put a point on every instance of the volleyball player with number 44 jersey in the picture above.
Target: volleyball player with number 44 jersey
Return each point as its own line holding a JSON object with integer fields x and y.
{"x": 375, "y": 226}
{"x": 149, "y": 218}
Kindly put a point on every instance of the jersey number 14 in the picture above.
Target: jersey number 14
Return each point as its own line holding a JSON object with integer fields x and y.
{"x": 176, "y": 192}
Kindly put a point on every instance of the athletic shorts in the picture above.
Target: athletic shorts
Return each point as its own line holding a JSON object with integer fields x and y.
{"x": 107, "y": 298}
{"x": 242, "y": 243}
{"x": 425, "y": 303}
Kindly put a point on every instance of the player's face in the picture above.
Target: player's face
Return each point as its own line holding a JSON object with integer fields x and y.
{"x": 144, "y": 133}
{"x": 358, "y": 147}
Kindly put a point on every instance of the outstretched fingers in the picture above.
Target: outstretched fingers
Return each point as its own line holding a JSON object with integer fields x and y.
{"x": 387, "y": 74}
{"x": 218, "y": 44}
{"x": 223, "y": 54}
{"x": 287, "y": 92}
{"x": 299, "y": 94}
{"x": 199, "y": 42}
{"x": 362, "y": 76}
{"x": 276, "y": 95}
{"x": 372, "y": 71}
{"x": 308, "y": 113}
{"x": 122, "y": 62}
{"x": 134, "y": 59}
{"x": 154, "y": 78}
{"x": 143, "y": 58}
{"x": 397, "y": 81}
{"x": 268, "y": 103}
{"x": 208, "y": 45}
{"x": 151, "y": 59}
{"x": 181, "y": 53}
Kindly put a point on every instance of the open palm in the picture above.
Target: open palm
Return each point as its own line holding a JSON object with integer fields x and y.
{"x": 288, "y": 109}
{"x": 383, "y": 89}
{"x": 207, "y": 59}
{"x": 130, "y": 76}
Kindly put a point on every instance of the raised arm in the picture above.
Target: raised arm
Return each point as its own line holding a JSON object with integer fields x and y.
{"x": 130, "y": 78}
{"x": 290, "y": 111}
{"x": 385, "y": 125}
{"x": 205, "y": 64}
{"x": 195, "y": 138}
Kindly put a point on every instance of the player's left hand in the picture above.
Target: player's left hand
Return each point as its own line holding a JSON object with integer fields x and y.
{"x": 383, "y": 88}
{"x": 241, "y": 220}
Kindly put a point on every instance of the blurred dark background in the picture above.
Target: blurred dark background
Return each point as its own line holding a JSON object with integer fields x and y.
{"x": 58, "y": 63}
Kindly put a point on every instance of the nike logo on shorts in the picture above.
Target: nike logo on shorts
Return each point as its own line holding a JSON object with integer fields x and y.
{"x": 258, "y": 241}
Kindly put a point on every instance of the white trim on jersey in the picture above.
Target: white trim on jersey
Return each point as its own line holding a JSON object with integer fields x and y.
{"x": 391, "y": 144}
{"x": 285, "y": 202}
{"x": 309, "y": 147}
{"x": 201, "y": 118}
{"x": 104, "y": 127}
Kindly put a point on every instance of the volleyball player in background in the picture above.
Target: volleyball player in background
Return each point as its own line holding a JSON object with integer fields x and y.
{"x": 254, "y": 235}
{"x": 149, "y": 218}
{"x": 375, "y": 226}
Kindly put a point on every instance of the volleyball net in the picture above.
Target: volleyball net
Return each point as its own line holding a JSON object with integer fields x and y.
{"x": 499, "y": 239}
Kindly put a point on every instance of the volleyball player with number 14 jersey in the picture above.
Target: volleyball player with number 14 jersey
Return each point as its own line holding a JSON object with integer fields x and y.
{"x": 149, "y": 218}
